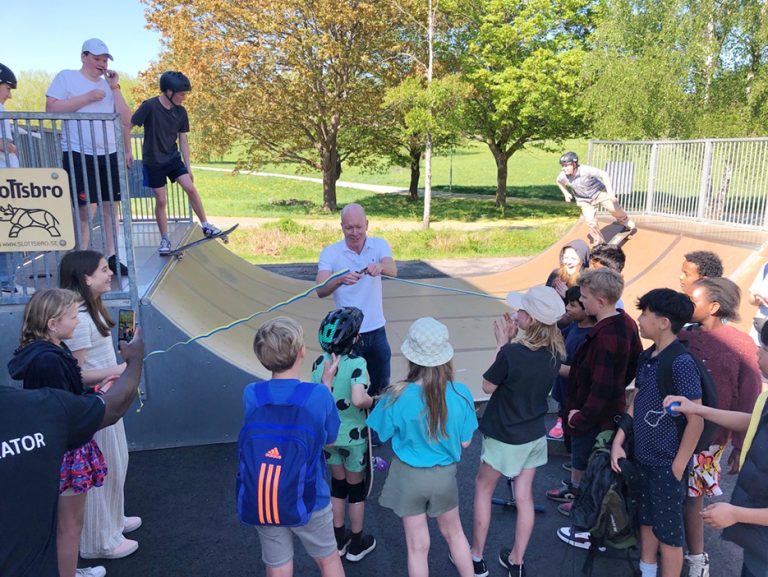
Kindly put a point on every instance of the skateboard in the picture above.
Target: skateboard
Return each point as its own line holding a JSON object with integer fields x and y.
{"x": 614, "y": 234}
{"x": 372, "y": 464}
{"x": 178, "y": 252}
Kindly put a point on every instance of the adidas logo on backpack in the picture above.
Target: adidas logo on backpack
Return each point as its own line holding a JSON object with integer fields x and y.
{"x": 279, "y": 458}
{"x": 273, "y": 453}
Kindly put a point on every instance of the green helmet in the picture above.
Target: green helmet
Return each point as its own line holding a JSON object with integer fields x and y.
{"x": 339, "y": 330}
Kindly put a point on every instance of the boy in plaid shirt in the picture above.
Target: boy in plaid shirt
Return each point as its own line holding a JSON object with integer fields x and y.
{"x": 602, "y": 368}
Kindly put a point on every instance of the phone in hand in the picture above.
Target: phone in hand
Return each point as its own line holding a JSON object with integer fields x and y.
{"x": 126, "y": 325}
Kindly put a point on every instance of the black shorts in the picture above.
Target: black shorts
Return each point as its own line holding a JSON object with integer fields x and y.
{"x": 97, "y": 187}
{"x": 661, "y": 503}
{"x": 155, "y": 176}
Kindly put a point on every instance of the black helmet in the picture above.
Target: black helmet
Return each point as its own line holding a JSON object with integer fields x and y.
{"x": 569, "y": 157}
{"x": 7, "y": 76}
{"x": 339, "y": 330}
{"x": 175, "y": 82}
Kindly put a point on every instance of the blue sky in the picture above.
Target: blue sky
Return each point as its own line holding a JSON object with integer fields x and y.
{"x": 48, "y": 34}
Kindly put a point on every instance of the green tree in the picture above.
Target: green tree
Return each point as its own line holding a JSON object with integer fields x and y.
{"x": 30, "y": 94}
{"x": 416, "y": 110}
{"x": 32, "y": 85}
{"x": 522, "y": 60}
{"x": 293, "y": 80}
{"x": 677, "y": 69}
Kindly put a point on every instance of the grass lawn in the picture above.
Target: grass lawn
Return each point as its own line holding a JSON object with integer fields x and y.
{"x": 287, "y": 241}
{"x": 529, "y": 224}
{"x": 469, "y": 170}
{"x": 524, "y": 228}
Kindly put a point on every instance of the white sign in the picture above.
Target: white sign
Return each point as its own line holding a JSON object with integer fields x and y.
{"x": 35, "y": 210}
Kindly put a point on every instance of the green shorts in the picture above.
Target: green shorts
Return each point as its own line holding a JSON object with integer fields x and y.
{"x": 351, "y": 457}
{"x": 509, "y": 460}
{"x": 415, "y": 490}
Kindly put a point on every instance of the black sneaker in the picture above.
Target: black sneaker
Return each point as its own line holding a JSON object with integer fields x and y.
{"x": 366, "y": 545}
{"x": 343, "y": 545}
{"x": 512, "y": 569}
{"x": 480, "y": 568}
{"x": 113, "y": 262}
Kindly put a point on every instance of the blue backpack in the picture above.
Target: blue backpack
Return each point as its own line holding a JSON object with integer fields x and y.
{"x": 279, "y": 458}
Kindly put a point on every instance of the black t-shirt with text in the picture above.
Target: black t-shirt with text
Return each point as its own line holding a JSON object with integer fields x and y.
{"x": 161, "y": 130}
{"x": 36, "y": 429}
{"x": 517, "y": 408}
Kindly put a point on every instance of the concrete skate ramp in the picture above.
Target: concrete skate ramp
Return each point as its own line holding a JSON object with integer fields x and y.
{"x": 211, "y": 287}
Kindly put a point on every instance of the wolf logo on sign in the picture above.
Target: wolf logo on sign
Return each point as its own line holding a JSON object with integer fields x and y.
{"x": 22, "y": 218}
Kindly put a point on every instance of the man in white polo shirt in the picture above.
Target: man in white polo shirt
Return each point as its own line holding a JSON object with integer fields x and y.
{"x": 367, "y": 258}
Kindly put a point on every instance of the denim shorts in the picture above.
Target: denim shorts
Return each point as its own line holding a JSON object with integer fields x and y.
{"x": 581, "y": 447}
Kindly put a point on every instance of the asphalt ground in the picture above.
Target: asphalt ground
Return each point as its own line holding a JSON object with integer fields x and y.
{"x": 186, "y": 498}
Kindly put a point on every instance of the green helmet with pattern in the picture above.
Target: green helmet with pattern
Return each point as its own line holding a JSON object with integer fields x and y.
{"x": 339, "y": 329}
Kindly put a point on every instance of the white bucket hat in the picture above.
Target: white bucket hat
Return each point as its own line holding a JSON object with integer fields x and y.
{"x": 96, "y": 47}
{"x": 540, "y": 302}
{"x": 427, "y": 343}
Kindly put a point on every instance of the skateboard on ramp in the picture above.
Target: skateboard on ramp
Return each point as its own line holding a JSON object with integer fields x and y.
{"x": 615, "y": 234}
{"x": 178, "y": 252}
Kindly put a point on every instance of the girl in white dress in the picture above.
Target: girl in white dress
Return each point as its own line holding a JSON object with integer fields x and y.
{"x": 86, "y": 272}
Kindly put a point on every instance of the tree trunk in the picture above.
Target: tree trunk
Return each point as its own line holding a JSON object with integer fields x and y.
{"x": 427, "y": 182}
{"x": 502, "y": 159}
{"x": 428, "y": 145}
{"x": 413, "y": 188}
{"x": 330, "y": 163}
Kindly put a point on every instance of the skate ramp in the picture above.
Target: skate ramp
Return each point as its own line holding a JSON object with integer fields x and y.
{"x": 194, "y": 391}
{"x": 212, "y": 287}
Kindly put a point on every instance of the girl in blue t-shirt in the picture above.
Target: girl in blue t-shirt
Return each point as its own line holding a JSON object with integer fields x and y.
{"x": 422, "y": 477}
{"x": 44, "y": 360}
{"x": 513, "y": 424}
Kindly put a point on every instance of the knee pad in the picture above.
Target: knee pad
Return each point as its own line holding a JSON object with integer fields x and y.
{"x": 339, "y": 488}
{"x": 356, "y": 492}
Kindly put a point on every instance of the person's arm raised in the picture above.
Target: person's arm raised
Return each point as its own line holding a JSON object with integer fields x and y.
{"x": 121, "y": 394}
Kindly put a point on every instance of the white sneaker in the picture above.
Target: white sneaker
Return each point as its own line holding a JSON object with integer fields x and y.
{"x": 131, "y": 524}
{"x": 696, "y": 565}
{"x": 210, "y": 230}
{"x": 630, "y": 224}
{"x": 97, "y": 571}
{"x": 165, "y": 246}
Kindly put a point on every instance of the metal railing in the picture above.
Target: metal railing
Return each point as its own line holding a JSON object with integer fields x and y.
{"x": 178, "y": 208}
{"x": 43, "y": 141}
{"x": 721, "y": 181}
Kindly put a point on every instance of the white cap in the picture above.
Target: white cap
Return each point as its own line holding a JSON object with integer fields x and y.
{"x": 96, "y": 47}
{"x": 540, "y": 302}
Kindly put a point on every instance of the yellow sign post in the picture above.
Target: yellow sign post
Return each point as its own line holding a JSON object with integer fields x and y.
{"x": 35, "y": 210}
